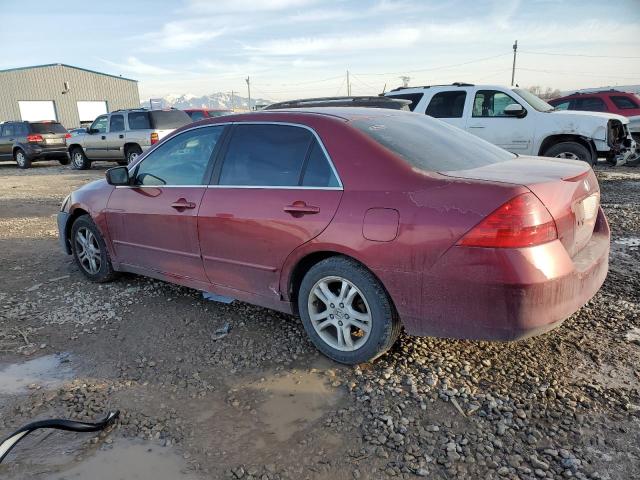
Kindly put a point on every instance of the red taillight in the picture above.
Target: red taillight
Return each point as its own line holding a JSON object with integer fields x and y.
{"x": 521, "y": 222}
{"x": 34, "y": 138}
{"x": 154, "y": 138}
{"x": 68, "y": 135}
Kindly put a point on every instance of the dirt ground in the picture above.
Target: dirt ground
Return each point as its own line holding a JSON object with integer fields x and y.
{"x": 261, "y": 403}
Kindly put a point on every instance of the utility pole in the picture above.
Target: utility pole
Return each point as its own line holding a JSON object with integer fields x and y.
{"x": 513, "y": 70}
{"x": 348, "y": 85}
{"x": 249, "y": 91}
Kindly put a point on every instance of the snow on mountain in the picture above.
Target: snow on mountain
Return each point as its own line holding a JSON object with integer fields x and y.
{"x": 215, "y": 100}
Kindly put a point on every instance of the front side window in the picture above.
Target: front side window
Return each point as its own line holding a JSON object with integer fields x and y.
{"x": 624, "y": 103}
{"x": 491, "y": 103}
{"x": 139, "y": 121}
{"x": 100, "y": 124}
{"x": 589, "y": 104}
{"x": 265, "y": 155}
{"x": 116, "y": 123}
{"x": 447, "y": 104}
{"x": 182, "y": 160}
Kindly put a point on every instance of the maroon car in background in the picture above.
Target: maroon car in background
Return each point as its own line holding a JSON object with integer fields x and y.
{"x": 360, "y": 220}
{"x": 202, "y": 113}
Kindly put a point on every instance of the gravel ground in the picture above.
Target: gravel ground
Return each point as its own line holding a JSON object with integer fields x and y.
{"x": 259, "y": 402}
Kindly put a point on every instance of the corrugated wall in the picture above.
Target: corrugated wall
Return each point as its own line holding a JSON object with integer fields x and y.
{"x": 47, "y": 83}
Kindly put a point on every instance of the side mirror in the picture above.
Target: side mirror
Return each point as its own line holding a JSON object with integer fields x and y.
{"x": 118, "y": 176}
{"x": 515, "y": 110}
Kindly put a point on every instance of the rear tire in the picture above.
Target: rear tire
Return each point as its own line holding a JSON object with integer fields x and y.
{"x": 636, "y": 162}
{"x": 21, "y": 159}
{"x": 354, "y": 320}
{"x": 570, "y": 151}
{"x": 90, "y": 251}
{"x": 64, "y": 161}
{"x": 132, "y": 153}
{"x": 79, "y": 160}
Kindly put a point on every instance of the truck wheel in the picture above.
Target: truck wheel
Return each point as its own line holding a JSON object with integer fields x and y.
{"x": 571, "y": 151}
{"x": 79, "y": 160}
{"x": 132, "y": 153}
{"x": 21, "y": 159}
{"x": 636, "y": 161}
{"x": 346, "y": 312}
{"x": 64, "y": 161}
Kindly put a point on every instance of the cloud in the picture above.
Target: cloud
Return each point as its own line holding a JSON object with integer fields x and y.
{"x": 248, "y": 6}
{"x": 180, "y": 35}
{"x": 133, "y": 65}
{"x": 397, "y": 37}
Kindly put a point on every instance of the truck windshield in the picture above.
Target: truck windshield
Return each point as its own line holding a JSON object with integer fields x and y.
{"x": 428, "y": 144}
{"x": 536, "y": 102}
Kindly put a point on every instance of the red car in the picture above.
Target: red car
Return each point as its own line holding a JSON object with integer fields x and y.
{"x": 202, "y": 113}
{"x": 362, "y": 221}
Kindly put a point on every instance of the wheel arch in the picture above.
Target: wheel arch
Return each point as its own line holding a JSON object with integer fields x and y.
{"x": 307, "y": 261}
{"x": 75, "y": 214}
{"x": 552, "y": 140}
{"x": 128, "y": 145}
{"x": 72, "y": 146}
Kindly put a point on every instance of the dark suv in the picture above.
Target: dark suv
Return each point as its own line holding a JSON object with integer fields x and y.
{"x": 26, "y": 142}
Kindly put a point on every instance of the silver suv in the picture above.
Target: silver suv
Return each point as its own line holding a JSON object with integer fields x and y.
{"x": 122, "y": 135}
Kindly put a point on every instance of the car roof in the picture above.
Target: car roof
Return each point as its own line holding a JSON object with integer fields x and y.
{"x": 420, "y": 89}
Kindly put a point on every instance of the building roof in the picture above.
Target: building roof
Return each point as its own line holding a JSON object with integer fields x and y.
{"x": 67, "y": 66}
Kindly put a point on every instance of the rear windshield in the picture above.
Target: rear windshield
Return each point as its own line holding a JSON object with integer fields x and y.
{"x": 428, "y": 144}
{"x": 47, "y": 127}
{"x": 168, "y": 119}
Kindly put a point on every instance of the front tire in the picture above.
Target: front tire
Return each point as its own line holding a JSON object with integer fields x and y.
{"x": 64, "y": 161}
{"x": 346, "y": 312}
{"x": 79, "y": 160}
{"x": 21, "y": 159}
{"x": 90, "y": 251}
{"x": 570, "y": 151}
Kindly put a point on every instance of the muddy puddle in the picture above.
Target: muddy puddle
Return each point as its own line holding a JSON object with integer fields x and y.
{"x": 128, "y": 460}
{"x": 47, "y": 372}
{"x": 291, "y": 402}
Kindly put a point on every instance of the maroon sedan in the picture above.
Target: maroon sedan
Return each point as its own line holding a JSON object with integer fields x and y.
{"x": 362, "y": 221}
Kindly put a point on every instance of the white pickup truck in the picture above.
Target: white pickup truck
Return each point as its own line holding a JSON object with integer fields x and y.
{"x": 522, "y": 123}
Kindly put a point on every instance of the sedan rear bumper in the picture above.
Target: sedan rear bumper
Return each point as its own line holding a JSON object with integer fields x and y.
{"x": 509, "y": 294}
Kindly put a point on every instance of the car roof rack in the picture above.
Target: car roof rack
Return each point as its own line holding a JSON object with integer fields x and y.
{"x": 454, "y": 84}
{"x": 360, "y": 101}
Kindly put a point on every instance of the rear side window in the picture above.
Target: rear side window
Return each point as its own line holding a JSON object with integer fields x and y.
{"x": 317, "y": 171}
{"x": 47, "y": 127}
{"x": 265, "y": 155}
{"x": 590, "y": 104}
{"x": 196, "y": 115}
{"x": 22, "y": 129}
{"x": 116, "y": 123}
{"x": 428, "y": 144}
{"x": 447, "y": 104}
{"x": 413, "y": 97}
{"x": 139, "y": 121}
{"x": 8, "y": 130}
{"x": 168, "y": 119}
{"x": 624, "y": 103}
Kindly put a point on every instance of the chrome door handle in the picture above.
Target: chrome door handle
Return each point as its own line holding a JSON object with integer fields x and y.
{"x": 182, "y": 204}
{"x": 301, "y": 208}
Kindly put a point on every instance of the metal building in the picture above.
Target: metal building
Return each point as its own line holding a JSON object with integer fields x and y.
{"x": 70, "y": 95}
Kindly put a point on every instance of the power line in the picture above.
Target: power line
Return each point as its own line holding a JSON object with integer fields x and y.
{"x": 576, "y": 55}
{"x": 442, "y": 67}
{"x": 586, "y": 74}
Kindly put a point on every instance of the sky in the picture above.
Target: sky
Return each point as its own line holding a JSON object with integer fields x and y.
{"x": 302, "y": 48}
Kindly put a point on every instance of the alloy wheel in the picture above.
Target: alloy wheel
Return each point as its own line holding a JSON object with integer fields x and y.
{"x": 78, "y": 159}
{"x": 339, "y": 313}
{"x": 88, "y": 250}
{"x": 132, "y": 157}
{"x": 568, "y": 155}
{"x": 20, "y": 159}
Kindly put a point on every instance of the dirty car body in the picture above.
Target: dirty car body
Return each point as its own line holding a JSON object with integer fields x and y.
{"x": 461, "y": 238}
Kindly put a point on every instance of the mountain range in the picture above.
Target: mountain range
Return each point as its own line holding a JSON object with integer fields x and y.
{"x": 220, "y": 100}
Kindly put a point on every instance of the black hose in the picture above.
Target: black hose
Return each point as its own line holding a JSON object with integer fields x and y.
{"x": 59, "y": 424}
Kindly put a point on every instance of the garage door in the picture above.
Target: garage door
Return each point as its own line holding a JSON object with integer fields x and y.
{"x": 89, "y": 110}
{"x": 32, "y": 111}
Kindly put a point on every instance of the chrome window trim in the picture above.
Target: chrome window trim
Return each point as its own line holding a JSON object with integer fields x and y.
{"x": 253, "y": 122}
{"x": 245, "y": 187}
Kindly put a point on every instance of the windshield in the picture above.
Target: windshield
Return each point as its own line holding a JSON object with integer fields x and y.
{"x": 429, "y": 144}
{"x": 536, "y": 102}
{"x": 47, "y": 127}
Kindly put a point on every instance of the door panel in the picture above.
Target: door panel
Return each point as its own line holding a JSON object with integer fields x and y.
{"x": 147, "y": 231}
{"x": 7, "y": 137}
{"x": 115, "y": 137}
{"x": 95, "y": 144}
{"x": 246, "y": 234}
